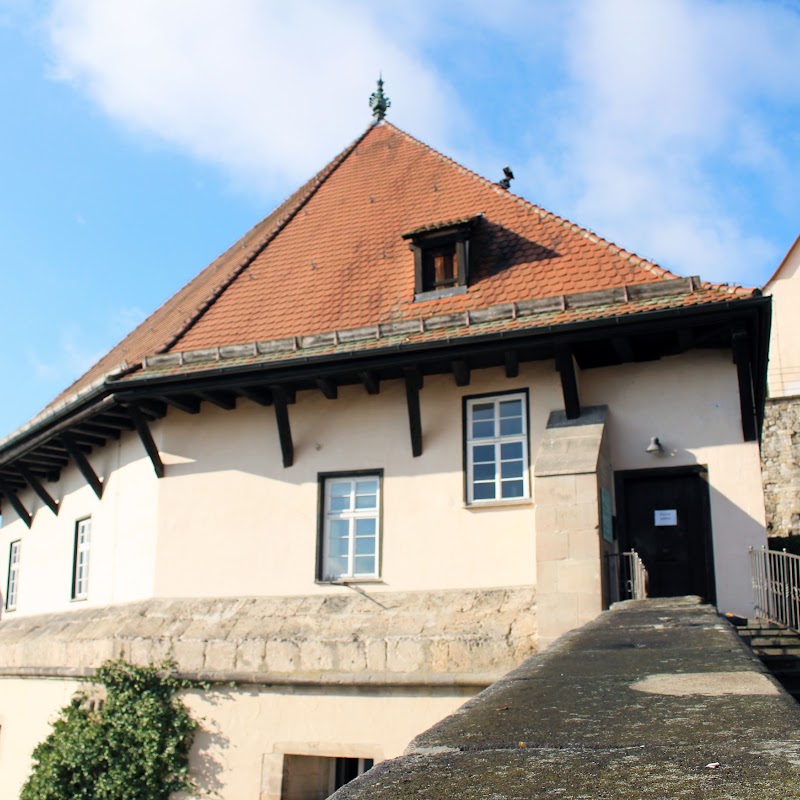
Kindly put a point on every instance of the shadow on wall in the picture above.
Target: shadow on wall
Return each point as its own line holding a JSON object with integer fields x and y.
{"x": 209, "y": 747}
{"x": 734, "y": 533}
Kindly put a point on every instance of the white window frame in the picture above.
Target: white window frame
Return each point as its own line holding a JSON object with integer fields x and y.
{"x": 80, "y": 560}
{"x": 496, "y": 440}
{"x": 351, "y": 515}
{"x": 12, "y": 585}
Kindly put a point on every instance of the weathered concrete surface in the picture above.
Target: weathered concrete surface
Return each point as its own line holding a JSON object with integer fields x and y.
{"x": 573, "y": 724}
{"x": 466, "y": 637}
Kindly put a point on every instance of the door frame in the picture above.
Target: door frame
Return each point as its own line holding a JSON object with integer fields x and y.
{"x": 623, "y": 477}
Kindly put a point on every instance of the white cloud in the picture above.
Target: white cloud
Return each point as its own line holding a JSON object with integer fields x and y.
{"x": 69, "y": 358}
{"x": 665, "y": 105}
{"x": 122, "y": 321}
{"x": 650, "y": 122}
{"x": 267, "y": 90}
{"x": 78, "y": 348}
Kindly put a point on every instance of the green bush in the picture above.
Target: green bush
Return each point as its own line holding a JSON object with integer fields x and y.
{"x": 134, "y": 745}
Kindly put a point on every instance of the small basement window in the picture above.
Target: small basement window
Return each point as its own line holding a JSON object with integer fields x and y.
{"x": 318, "y": 777}
{"x": 441, "y": 258}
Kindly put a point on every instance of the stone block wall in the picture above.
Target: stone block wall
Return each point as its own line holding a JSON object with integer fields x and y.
{"x": 457, "y": 637}
{"x": 780, "y": 465}
{"x": 568, "y": 540}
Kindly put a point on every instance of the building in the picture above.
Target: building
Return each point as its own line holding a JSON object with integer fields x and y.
{"x": 781, "y": 451}
{"x": 371, "y": 457}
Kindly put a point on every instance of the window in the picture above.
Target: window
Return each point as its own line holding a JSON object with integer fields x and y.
{"x": 439, "y": 268}
{"x": 441, "y": 257}
{"x": 497, "y": 448}
{"x": 80, "y": 561}
{"x": 348, "y": 769}
{"x": 12, "y": 587}
{"x": 350, "y": 527}
{"x": 318, "y": 777}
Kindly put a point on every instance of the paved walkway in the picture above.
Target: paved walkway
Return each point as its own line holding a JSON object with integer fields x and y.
{"x": 654, "y": 700}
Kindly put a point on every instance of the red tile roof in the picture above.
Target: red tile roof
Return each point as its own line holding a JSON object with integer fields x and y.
{"x": 332, "y": 258}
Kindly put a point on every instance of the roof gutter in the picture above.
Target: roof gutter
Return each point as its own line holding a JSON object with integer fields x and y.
{"x": 112, "y": 390}
{"x": 567, "y": 333}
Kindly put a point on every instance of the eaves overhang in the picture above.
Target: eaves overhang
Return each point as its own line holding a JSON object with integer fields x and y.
{"x": 131, "y": 401}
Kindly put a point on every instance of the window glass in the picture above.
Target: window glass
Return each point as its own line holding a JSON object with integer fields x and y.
{"x": 483, "y": 420}
{"x": 497, "y": 448}
{"x": 439, "y": 267}
{"x": 511, "y": 422}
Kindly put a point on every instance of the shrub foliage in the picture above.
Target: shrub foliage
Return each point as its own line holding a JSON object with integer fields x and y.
{"x": 133, "y": 746}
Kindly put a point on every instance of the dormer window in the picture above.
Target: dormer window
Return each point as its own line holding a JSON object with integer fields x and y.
{"x": 439, "y": 267}
{"x": 441, "y": 258}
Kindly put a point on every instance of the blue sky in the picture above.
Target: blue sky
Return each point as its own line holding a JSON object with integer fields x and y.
{"x": 140, "y": 138}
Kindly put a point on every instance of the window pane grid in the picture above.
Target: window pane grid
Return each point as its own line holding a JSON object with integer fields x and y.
{"x": 350, "y": 544}
{"x": 497, "y": 448}
{"x": 13, "y": 575}
{"x": 83, "y": 535}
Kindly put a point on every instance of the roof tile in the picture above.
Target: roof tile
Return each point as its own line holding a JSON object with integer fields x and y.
{"x": 332, "y": 257}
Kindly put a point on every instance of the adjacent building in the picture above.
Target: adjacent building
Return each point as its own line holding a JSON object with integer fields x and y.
{"x": 371, "y": 457}
{"x": 781, "y": 450}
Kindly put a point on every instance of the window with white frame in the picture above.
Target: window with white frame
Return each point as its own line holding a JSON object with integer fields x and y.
{"x": 12, "y": 586}
{"x": 80, "y": 563}
{"x": 497, "y": 448}
{"x": 350, "y": 527}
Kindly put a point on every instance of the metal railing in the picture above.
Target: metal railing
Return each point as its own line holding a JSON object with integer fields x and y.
{"x": 776, "y": 586}
{"x": 628, "y": 573}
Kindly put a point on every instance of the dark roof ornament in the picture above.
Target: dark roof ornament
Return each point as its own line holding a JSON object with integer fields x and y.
{"x": 505, "y": 183}
{"x": 379, "y": 102}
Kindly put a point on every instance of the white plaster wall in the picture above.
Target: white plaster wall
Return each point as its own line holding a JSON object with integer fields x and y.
{"x": 784, "y": 350}
{"x": 691, "y": 403}
{"x": 229, "y": 520}
{"x": 244, "y": 732}
{"x": 122, "y": 555}
{"x": 267, "y": 724}
{"x": 27, "y": 707}
{"x": 233, "y": 521}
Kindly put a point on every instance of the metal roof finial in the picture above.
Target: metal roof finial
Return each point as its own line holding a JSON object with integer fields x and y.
{"x": 379, "y": 102}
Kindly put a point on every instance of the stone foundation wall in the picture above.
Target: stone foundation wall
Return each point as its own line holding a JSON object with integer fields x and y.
{"x": 468, "y": 637}
{"x": 780, "y": 465}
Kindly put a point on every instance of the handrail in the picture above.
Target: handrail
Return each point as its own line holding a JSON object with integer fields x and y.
{"x": 776, "y": 586}
{"x": 631, "y": 577}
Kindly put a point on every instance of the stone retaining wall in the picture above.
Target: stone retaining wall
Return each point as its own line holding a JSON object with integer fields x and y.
{"x": 468, "y": 637}
{"x": 780, "y": 465}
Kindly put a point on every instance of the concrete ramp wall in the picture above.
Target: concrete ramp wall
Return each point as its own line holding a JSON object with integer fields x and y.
{"x": 655, "y": 699}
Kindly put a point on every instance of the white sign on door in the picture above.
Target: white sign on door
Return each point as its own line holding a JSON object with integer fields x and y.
{"x": 664, "y": 517}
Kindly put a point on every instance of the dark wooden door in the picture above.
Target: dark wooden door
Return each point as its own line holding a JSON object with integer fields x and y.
{"x": 667, "y": 522}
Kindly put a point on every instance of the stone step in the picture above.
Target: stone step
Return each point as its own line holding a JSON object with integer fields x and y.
{"x": 773, "y": 641}
{"x": 776, "y": 650}
{"x": 782, "y": 660}
{"x": 779, "y": 651}
{"x": 760, "y": 625}
{"x": 769, "y": 633}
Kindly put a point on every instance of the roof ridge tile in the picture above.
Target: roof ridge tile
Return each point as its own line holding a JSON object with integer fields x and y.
{"x": 637, "y": 293}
